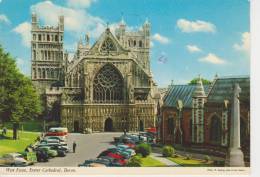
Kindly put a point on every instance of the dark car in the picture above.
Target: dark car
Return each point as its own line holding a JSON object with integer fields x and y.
{"x": 42, "y": 156}
{"x": 60, "y": 150}
{"x": 89, "y": 163}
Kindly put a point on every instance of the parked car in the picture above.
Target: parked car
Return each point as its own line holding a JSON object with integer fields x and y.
{"x": 63, "y": 145}
{"x": 95, "y": 163}
{"x": 50, "y": 152}
{"x": 13, "y": 159}
{"x": 60, "y": 150}
{"x": 49, "y": 138}
{"x": 42, "y": 155}
{"x": 60, "y": 132}
{"x": 115, "y": 151}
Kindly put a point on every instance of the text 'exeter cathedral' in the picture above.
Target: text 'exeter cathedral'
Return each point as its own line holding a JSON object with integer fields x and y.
{"x": 105, "y": 87}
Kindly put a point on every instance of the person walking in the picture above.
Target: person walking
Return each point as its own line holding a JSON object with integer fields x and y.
{"x": 74, "y": 147}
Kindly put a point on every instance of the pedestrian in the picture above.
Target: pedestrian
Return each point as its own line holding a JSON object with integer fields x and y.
{"x": 74, "y": 147}
{"x": 125, "y": 132}
{"x": 4, "y": 131}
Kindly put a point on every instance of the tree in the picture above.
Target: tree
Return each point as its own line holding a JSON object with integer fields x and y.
{"x": 195, "y": 80}
{"x": 19, "y": 100}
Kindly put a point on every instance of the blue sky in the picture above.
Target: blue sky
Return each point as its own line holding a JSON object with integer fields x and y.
{"x": 189, "y": 37}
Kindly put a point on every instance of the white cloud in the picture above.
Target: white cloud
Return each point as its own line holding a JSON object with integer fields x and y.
{"x": 193, "y": 48}
{"x": 151, "y": 44}
{"x": 80, "y": 3}
{"x": 24, "y": 29}
{"x": 244, "y": 46}
{"x": 76, "y": 20}
{"x": 4, "y": 19}
{"x": 161, "y": 39}
{"x": 23, "y": 66}
{"x": 212, "y": 58}
{"x": 195, "y": 26}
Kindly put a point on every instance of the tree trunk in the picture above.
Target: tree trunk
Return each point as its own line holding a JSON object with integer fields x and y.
{"x": 15, "y": 130}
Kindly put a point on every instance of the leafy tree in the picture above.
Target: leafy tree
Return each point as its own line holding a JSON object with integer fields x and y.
{"x": 195, "y": 80}
{"x": 168, "y": 151}
{"x": 19, "y": 100}
{"x": 144, "y": 149}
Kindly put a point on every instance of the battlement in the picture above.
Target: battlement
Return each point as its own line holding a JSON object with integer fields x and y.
{"x": 53, "y": 90}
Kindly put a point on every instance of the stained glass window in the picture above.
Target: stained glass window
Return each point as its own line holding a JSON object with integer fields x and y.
{"x": 108, "y": 85}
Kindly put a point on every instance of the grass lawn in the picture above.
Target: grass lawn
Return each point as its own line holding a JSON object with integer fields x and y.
{"x": 151, "y": 162}
{"x": 31, "y": 125}
{"x": 190, "y": 163}
{"x": 7, "y": 145}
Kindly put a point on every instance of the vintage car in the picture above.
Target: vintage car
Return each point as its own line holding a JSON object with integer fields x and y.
{"x": 13, "y": 159}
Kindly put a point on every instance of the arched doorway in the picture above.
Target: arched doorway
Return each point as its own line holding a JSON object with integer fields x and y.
{"x": 76, "y": 126}
{"x": 108, "y": 125}
{"x": 141, "y": 126}
{"x": 215, "y": 130}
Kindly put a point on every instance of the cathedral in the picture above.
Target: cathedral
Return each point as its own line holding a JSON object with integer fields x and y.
{"x": 107, "y": 86}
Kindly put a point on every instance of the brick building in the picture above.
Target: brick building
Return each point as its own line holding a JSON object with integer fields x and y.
{"x": 199, "y": 115}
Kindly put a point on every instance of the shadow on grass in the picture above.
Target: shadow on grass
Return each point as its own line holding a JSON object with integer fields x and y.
{"x": 2, "y": 137}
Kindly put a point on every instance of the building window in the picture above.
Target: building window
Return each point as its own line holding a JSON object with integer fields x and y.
{"x": 34, "y": 55}
{"x": 134, "y": 43}
{"x": 48, "y": 37}
{"x": 61, "y": 38}
{"x": 170, "y": 125}
{"x": 56, "y": 38}
{"x": 140, "y": 44}
{"x": 215, "y": 130}
{"x": 39, "y": 37}
{"x": 34, "y": 37}
{"x": 108, "y": 84}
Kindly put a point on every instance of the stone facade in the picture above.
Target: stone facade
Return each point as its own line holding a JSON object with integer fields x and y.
{"x": 107, "y": 86}
{"x": 47, "y": 54}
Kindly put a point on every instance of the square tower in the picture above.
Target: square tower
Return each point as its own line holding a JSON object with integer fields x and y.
{"x": 47, "y": 54}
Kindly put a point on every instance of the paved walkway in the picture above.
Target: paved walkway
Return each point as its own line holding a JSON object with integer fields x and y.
{"x": 88, "y": 147}
{"x": 164, "y": 160}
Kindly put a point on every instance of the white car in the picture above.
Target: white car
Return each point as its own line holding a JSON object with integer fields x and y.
{"x": 13, "y": 159}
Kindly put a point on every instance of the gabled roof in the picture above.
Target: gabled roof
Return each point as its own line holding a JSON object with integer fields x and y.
{"x": 181, "y": 92}
{"x": 107, "y": 35}
{"x": 222, "y": 89}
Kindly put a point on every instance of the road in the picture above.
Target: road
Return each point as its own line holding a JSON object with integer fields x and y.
{"x": 88, "y": 146}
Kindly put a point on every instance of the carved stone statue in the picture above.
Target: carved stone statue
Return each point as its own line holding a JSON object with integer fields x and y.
{"x": 235, "y": 157}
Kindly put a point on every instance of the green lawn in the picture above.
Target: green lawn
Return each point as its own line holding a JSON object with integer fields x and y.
{"x": 31, "y": 126}
{"x": 7, "y": 145}
{"x": 190, "y": 163}
{"x": 151, "y": 162}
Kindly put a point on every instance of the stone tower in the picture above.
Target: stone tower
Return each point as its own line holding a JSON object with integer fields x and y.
{"x": 47, "y": 54}
{"x": 198, "y": 100}
{"x": 138, "y": 42}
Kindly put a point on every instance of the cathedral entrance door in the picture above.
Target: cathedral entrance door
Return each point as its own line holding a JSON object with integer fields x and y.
{"x": 76, "y": 126}
{"x": 108, "y": 125}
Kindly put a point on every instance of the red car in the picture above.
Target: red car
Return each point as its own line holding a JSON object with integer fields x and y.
{"x": 130, "y": 145}
{"x": 119, "y": 158}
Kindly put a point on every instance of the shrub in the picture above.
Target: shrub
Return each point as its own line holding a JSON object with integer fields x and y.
{"x": 206, "y": 158}
{"x": 144, "y": 149}
{"x": 134, "y": 161}
{"x": 168, "y": 151}
{"x": 188, "y": 156}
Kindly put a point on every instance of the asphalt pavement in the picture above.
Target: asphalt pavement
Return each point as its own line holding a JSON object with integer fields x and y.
{"x": 88, "y": 147}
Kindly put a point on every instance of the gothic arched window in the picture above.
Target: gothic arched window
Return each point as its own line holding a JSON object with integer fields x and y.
{"x": 108, "y": 45}
{"x": 215, "y": 130}
{"x": 108, "y": 85}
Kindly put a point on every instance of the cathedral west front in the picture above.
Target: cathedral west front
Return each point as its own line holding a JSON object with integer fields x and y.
{"x": 107, "y": 86}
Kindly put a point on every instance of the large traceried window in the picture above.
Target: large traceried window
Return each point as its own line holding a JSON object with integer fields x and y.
{"x": 108, "y": 85}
